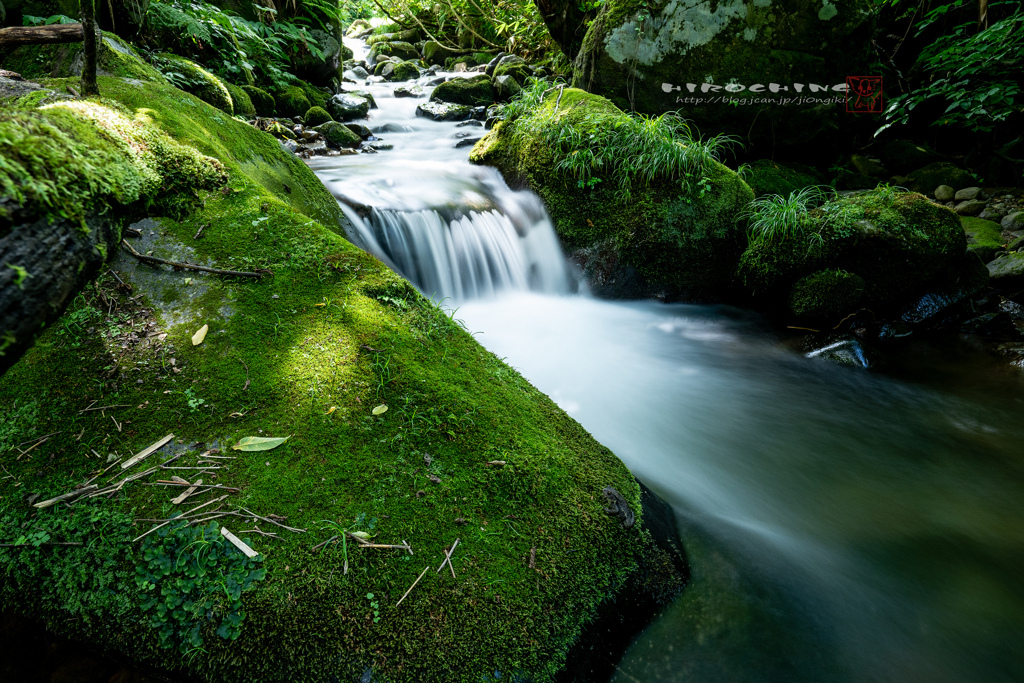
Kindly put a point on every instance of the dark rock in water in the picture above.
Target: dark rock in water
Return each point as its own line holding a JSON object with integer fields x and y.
{"x": 994, "y": 323}
{"x": 359, "y": 129}
{"x": 365, "y": 94}
{"x": 479, "y": 113}
{"x": 436, "y": 81}
{"x": 473, "y": 91}
{"x": 468, "y": 142}
{"x": 471, "y": 122}
{"x": 346, "y": 107}
{"x": 1007, "y": 271}
{"x": 379, "y": 146}
{"x": 392, "y": 128}
{"x": 444, "y": 111}
{"x": 359, "y": 73}
{"x": 409, "y": 91}
{"x": 339, "y": 135}
{"x": 844, "y": 352}
{"x": 961, "y": 282}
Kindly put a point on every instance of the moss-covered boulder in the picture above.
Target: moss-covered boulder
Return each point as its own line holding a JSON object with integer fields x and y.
{"x": 826, "y": 295}
{"x": 114, "y": 57}
{"x": 769, "y": 177}
{"x": 410, "y": 36}
{"x": 474, "y": 91}
{"x": 339, "y": 135}
{"x": 680, "y": 238}
{"x": 241, "y": 101}
{"x": 398, "y": 50}
{"x": 316, "y": 116}
{"x": 262, "y": 101}
{"x": 400, "y": 425}
{"x": 984, "y": 237}
{"x": 1007, "y": 271}
{"x": 513, "y": 66}
{"x": 316, "y": 68}
{"x": 694, "y": 56}
{"x": 195, "y": 79}
{"x": 401, "y": 71}
{"x": 436, "y": 54}
{"x": 291, "y": 102}
{"x": 348, "y": 107}
{"x": 925, "y": 180}
{"x": 898, "y": 243}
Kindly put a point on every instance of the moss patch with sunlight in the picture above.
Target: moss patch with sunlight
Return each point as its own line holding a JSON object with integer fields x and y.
{"x": 307, "y": 353}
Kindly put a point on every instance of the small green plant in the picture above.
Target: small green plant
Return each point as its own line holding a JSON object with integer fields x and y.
{"x": 775, "y": 218}
{"x": 194, "y": 402}
{"x": 375, "y": 606}
{"x": 192, "y": 580}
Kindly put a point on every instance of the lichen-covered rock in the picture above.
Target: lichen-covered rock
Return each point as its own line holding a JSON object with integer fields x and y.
{"x": 1008, "y": 270}
{"x": 346, "y": 107}
{"x": 316, "y": 116}
{"x": 769, "y": 177}
{"x": 408, "y": 91}
{"x": 339, "y": 135}
{"x": 984, "y": 238}
{"x": 198, "y": 81}
{"x": 675, "y": 240}
{"x": 474, "y": 91}
{"x": 292, "y": 101}
{"x": 400, "y": 50}
{"x": 241, "y": 101}
{"x": 642, "y": 57}
{"x": 262, "y": 101}
{"x": 404, "y": 71}
{"x": 899, "y": 243}
{"x": 444, "y": 111}
{"x": 826, "y": 295}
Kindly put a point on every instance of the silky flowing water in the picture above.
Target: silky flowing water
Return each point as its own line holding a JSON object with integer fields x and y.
{"x": 842, "y": 525}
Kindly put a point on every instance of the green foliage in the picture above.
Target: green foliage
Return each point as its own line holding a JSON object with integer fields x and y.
{"x": 192, "y": 580}
{"x": 774, "y": 218}
{"x": 630, "y": 150}
{"x": 977, "y": 73}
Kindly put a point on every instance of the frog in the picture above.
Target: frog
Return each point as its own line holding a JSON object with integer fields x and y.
{"x": 618, "y": 507}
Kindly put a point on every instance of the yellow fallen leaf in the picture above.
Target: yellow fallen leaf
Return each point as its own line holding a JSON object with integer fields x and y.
{"x": 318, "y": 305}
{"x": 380, "y": 410}
{"x": 331, "y": 410}
{"x": 199, "y": 336}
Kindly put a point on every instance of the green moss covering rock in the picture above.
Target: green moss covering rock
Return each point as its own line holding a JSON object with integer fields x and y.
{"x": 196, "y": 80}
{"x": 899, "y": 243}
{"x": 315, "y": 116}
{"x": 357, "y": 26}
{"x": 115, "y": 57}
{"x": 436, "y": 54}
{"x": 242, "y": 102}
{"x": 826, "y": 295}
{"x": 262, "y": 101}
{"x": 1007, "y": 271}
{"x": 398, "y": 50}
{"x": 769, "y": 177}
{"x": 402, "y": 71}
{"x": 474, "y": 91}
{"x": 518, "y": 70}
{"x": 339, "y": 135}
{"x": 680, "y": 241}
{"x": 926, "y": 180}
{"x": 642, "y": 57}
{"x": 984, "y": 237}
{"x": 292, "y": 101}
{"x": 314, "y": 352}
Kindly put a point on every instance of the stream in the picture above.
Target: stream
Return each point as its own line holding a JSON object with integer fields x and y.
{"x": 842, "y": 525}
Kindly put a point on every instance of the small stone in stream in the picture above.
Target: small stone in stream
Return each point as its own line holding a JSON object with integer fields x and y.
{"x": 392, "y": 128}
{"x": 360, "y": 72}
{"x": 468, "y": 123}
{"x": 443, "y": 111}
{"x": 409, "y": 91}
{"x": 468, "y": 142}
{"x": 436, "y": 81}
{"x": 969, "y": 207}
{"x": 1013, "y": 221}
{"x": 944, "y": 193}
{"x": 968, "y": 193}
{"x": 989, "y": 324}
{"x": 480, "y": 113}
{"x": 339, "y": 135}
{"x": 462, "y": 134}
{"x": 365, "y": 94}
{"x": 360, "y": 130}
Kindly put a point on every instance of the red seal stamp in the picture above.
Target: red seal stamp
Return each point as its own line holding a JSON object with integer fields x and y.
{"x": 864, "y": 94}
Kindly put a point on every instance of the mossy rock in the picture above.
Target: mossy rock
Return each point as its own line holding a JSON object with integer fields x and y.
{"x": 199, "y": 82}
{"x": 767, "y": 177}
{"x": 520, "y": 71}
{"x": 826, "y": 295}
{"x": 411, "y": 35}
{"x": 315, "y": 68}
{"x": 984, "y": 237}
{"x": 682, "y": 242}
{"x": 242, "y": 102}
{"x": 475, "y": 91}
{"x": 292, "y": 101}
{"x": 262, "y": 101}
{"x": 436, "y": 54}
{"x": 339, "y": 135}
{"x": 280, "y": 363}
{"x": 316, "y": 116}
{"x": 642, "y": 57}
{"x": 1007, "y": 271}
{"x": 358, "y": 26}
{"x": 348, "y": 106}
{"x": 898, "y": 242}
{"x": 115, "y": 57}
{"x": 404, "y": 71}
{"x": 397, "y": 49}
{"x": 926, "y": 180}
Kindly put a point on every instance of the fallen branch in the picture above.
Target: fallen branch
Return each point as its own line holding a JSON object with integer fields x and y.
{"x": 187, "y": 266}
{"x": 86, "y": 410}
{"x": 147, "y": 451}
{"x": 66, "y": 496}
{"x": 321, "y": 545}
{"x": 38, "y": 35}
{"x": 188, "y": 492}
{"x": 267, "y": 519}
{"x": 448, "y": 558}
{"x": 412, "y": 586}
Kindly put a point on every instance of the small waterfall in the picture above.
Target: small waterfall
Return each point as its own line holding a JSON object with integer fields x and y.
{"x": 477, "y": 245}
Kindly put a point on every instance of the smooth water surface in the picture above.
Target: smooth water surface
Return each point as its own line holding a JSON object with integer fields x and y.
{"x": 842, "y": 525}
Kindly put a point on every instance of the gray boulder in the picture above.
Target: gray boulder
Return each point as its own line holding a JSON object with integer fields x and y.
{"x": 444, "y": 111}
{"x": 944, "y": 193}
{"x": 969, "y": 193}
{"x": 969, "y": 207}
{"x": 1013, "y": 221}
{"x": 346, "y": 107}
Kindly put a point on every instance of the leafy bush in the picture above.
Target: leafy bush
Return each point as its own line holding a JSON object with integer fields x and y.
{"x": 192, "y": 580}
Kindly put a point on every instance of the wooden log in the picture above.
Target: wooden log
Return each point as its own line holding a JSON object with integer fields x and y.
{"x": 39, "y": 35}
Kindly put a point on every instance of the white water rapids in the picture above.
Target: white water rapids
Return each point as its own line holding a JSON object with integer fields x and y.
{"x": 842, "y": 525}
